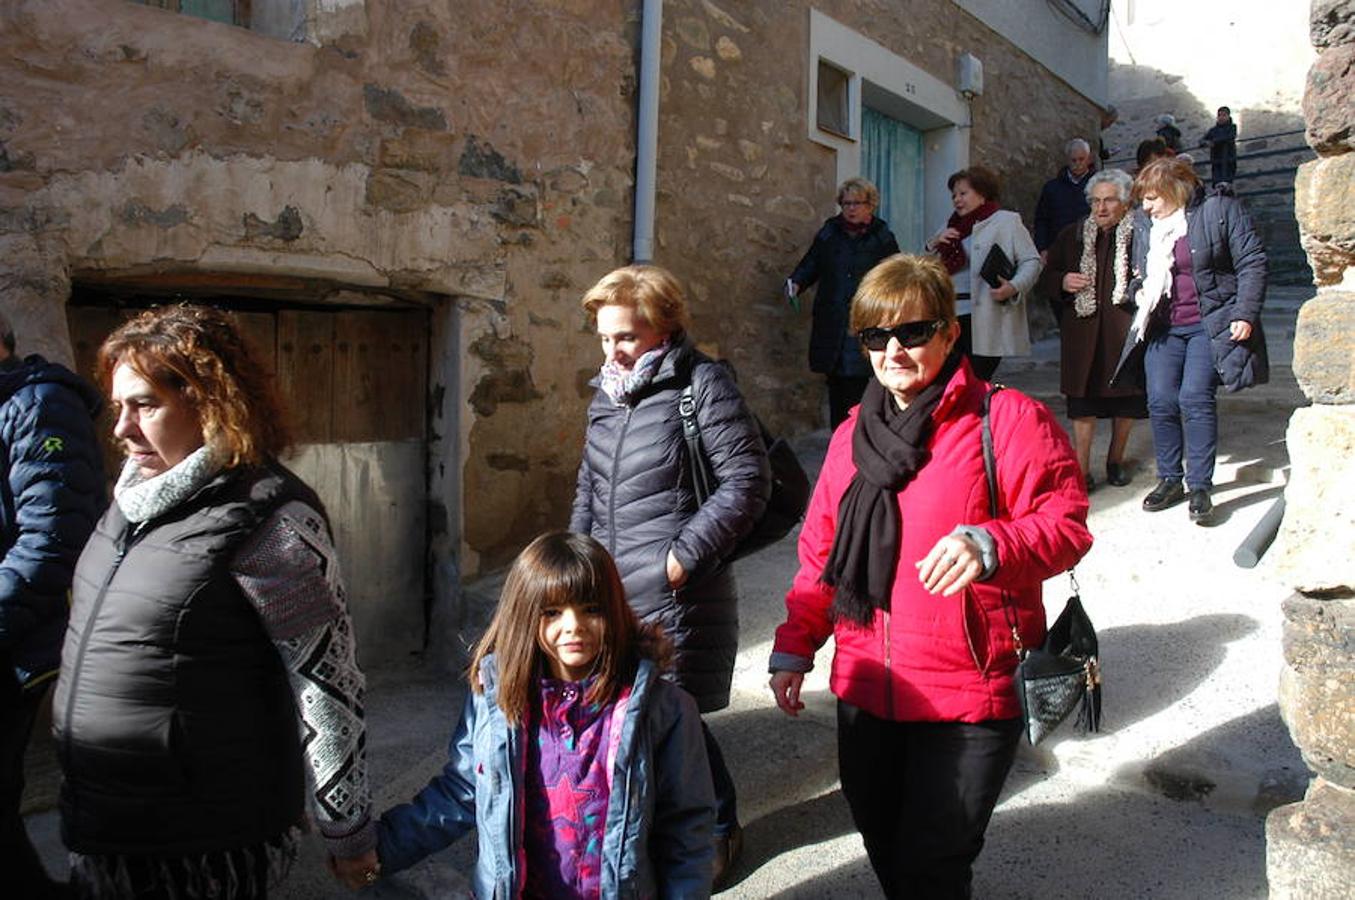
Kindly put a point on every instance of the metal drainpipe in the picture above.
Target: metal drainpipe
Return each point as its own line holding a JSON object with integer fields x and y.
{"x": 647, "y": 130}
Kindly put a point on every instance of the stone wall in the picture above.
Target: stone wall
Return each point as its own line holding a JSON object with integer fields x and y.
{"x": 476, "y": 158}
{"x": 742, "y": 191}
{"x": 1311, "y": 844}
{"x": 467, "y": 155}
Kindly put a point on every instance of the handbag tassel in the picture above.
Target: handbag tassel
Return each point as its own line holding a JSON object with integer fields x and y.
{"x": 1089, "y": 710}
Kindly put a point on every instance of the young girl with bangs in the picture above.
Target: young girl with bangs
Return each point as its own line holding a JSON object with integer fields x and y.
{"x": 583, "y": 772}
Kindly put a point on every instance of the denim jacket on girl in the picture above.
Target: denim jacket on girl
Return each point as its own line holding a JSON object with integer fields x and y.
{"x": 658, "y": 836}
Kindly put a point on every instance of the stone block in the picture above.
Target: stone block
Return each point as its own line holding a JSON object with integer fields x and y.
{"x": 1314, "y": 551}
{"x": 399, "y": 190}
{"x": 516, "y": 205}
{"x": 34, "y": 288}
{"x": 1319, "y": 631}
{"x": 1317, "y": 685}
{"x": 287, "y": 227}
{"x": 1324, "y": 348}
{"x": 390, "y": 106}
{"x": 1332, "y": 22}
{"x": 1310, "y": 846}
{"x": 481, "y": 160}
{"x": 1317, "y": 703}
{"x": 427, "y": 151}
{"x": 1324, "y": 204}
{"x": 1327, "y": 103}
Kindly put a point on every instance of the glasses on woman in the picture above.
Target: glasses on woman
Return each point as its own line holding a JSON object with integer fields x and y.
{"x": 909, "y": 334}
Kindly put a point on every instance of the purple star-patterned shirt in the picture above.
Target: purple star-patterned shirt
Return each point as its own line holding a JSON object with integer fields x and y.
{"x": 571, "y": 746}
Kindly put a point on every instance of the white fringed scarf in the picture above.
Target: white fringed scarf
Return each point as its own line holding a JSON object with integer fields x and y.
{"x": 1084, "y": 302}
{"x": 1162, "y": 238}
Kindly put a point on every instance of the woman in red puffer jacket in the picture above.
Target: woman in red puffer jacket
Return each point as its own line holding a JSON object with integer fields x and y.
{"x": 903, "y": 565}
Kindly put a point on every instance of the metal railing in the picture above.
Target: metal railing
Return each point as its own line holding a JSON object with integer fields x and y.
{"x": 1129, "y": 161}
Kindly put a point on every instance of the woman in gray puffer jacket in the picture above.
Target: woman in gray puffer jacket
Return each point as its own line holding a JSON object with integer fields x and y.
{"x": 635, "y": 492}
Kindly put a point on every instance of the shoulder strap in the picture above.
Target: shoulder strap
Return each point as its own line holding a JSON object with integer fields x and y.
{"x": 696, "y": 457}
{"x": 989, "y": 459}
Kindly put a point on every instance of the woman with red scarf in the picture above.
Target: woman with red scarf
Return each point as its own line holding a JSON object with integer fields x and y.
{"x": 992, "y": 319}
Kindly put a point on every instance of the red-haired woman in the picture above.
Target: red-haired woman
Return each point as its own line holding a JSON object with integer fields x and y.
{"x": 207, "y": 616}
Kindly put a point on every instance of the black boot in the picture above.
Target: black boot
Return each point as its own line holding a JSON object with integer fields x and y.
{"x": 1167, "y": 493}
{"x": 1201, "y": 507}
{"x": 1116, "y": 474}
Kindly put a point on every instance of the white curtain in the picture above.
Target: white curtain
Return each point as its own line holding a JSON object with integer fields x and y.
{"x": 891, "y": 157}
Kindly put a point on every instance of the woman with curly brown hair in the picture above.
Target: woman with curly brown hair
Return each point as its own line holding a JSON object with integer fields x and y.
{"x": 207, "y": 616}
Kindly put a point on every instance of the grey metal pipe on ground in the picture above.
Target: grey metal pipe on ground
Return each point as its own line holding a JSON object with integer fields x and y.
{"x": 1255, "y": 544}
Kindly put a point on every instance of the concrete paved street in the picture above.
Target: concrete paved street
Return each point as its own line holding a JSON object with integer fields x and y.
{"x": 1167, "y": 802}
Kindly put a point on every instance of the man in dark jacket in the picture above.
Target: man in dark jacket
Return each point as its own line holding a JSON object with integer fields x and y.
{"x": 845, "y": 249}
{"x": 1063, "y": 199}
{"x": 1222, "y": 141}
{"x": 51, "y": 497}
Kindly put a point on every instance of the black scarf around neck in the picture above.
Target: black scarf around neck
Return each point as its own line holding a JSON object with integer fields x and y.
{"x": 889, "y": 446}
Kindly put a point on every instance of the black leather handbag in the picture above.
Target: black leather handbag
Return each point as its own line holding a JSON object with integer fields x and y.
{"x": 1065, "y": 673}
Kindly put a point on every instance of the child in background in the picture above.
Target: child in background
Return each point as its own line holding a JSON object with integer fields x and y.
{"x": 584, "y": 773}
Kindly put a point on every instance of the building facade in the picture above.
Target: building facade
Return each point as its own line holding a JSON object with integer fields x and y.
{"x": 405, "y": 201}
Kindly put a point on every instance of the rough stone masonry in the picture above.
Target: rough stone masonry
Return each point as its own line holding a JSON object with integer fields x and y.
{"x": 1310, "y": 845}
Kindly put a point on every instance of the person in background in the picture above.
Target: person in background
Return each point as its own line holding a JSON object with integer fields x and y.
{"x": 1149, "y": 150}
{"x": 582, "y": 771}
{"x": 1199, "y": 282}
{"x": 1222, "y": 142}
{"x": 53, "y": 494}
{"x": 992, "y": 319}
{"x": 209, "y": 683}
{"x": 1167, "y": 130}
{"x": 1109, "y": 116}
{"x": 1063, "y": 198}
{"x": 1087, "y": 282}
{"x": 635, "y": 493}
{"x": 922, "y": 589}
{"x": 845, "y": 249}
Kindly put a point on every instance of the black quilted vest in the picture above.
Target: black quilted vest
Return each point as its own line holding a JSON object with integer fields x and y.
{"x": 176, "y": 725}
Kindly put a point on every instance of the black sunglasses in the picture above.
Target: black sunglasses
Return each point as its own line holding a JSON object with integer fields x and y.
{"x": 909, "y": 334}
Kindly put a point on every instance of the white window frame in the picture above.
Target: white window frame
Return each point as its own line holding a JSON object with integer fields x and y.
{"x": 940, "y": 112}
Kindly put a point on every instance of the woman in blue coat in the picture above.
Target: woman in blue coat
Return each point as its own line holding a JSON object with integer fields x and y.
{"x": 635, "y": 494}
{"x": 1199, "y": 282}
{"x": 845, "y": 249}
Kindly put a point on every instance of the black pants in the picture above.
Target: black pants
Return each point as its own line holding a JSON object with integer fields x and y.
{"x": 983, "y": 366}
{"x": 726, "y": 801}
{"x": 844, "y": 392}
{"x": 23, "y": 871}
{"x": 921, "y": 794}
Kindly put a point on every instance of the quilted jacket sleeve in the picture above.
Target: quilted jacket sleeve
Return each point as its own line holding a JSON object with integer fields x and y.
{"x": 733, "y": 445}
{"x": 55, "y": 485}
{"x": 807, "y": 272}
{"x": 442, "y": 812}
{"x": 1249, "y": 260}
{"x": 1043, "y": 527}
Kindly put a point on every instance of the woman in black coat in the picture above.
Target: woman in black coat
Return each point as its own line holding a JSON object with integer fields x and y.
{"x": 845, "y": 249}
{"x": 1199, "y": 282}
{"x": 635, "y": 493}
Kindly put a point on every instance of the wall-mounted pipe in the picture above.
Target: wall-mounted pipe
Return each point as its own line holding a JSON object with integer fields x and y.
{"x": 647, "y": 130}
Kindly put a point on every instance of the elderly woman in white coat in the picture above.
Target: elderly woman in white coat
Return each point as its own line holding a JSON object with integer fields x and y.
{"x": 992, "y": 318}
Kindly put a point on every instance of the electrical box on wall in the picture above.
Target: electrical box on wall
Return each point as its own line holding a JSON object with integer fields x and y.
{"x": 969, "y": 75}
